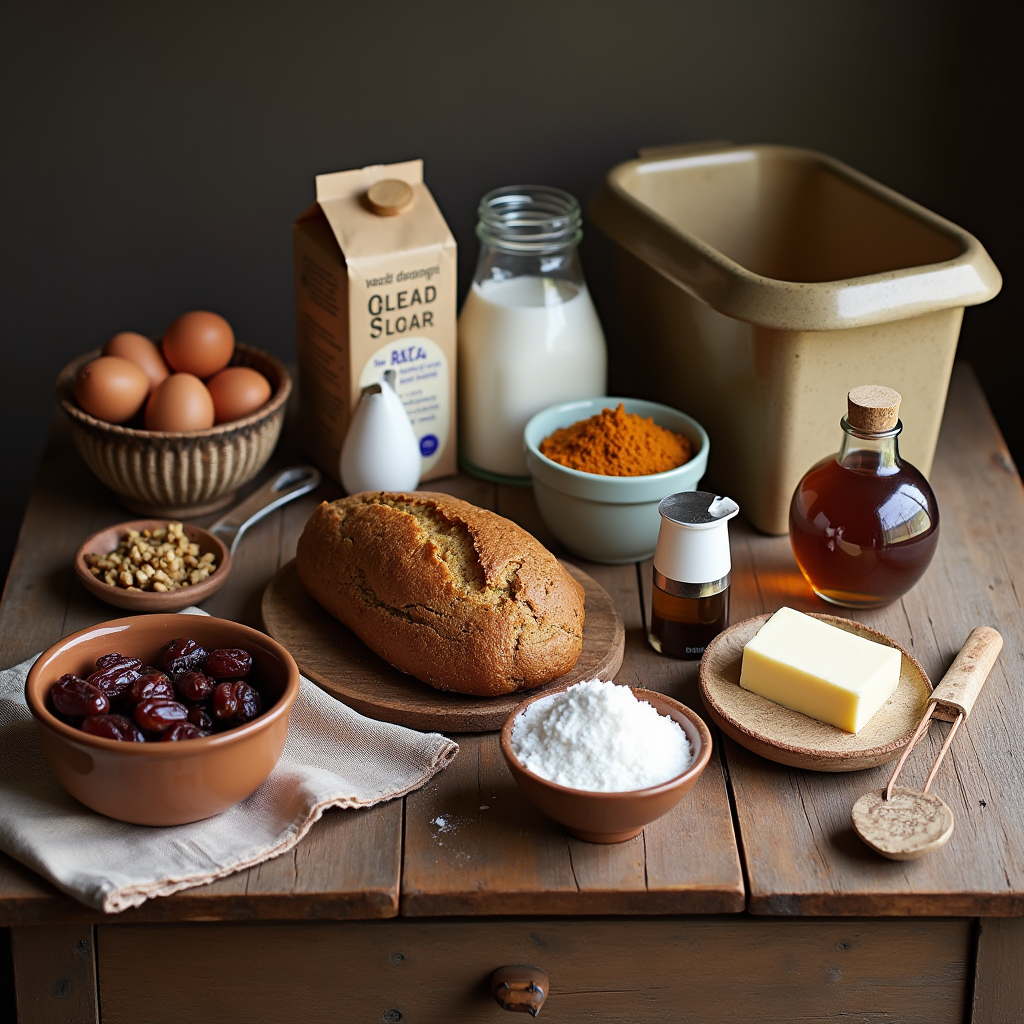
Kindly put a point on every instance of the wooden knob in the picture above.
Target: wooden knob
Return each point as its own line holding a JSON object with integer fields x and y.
{"x": 520, "y": 988}
{"x": 873, "y": 408}
{"x": 390, "y": 197}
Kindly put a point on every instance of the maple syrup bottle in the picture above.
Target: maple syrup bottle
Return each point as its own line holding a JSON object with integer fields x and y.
{"x": 863, "y": 523}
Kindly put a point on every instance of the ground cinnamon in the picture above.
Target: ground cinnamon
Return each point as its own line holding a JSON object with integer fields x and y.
{"x": 617, "y": 443}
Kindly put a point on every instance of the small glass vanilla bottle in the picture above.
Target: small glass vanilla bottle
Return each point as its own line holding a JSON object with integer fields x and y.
{"x": 692, "y": 573}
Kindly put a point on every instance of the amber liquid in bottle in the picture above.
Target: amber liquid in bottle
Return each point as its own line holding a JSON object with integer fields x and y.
{"x": 863, "y": 523}
{"x": 682, "y": 627}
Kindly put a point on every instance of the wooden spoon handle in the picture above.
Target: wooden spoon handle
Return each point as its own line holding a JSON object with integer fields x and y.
{"x": 961, "y": 685}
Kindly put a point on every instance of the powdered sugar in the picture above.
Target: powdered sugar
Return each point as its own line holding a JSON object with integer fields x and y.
{"x": 598, "y": 736}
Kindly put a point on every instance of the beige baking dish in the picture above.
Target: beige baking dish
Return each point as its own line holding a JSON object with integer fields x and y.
{"x": 759, "y": 284}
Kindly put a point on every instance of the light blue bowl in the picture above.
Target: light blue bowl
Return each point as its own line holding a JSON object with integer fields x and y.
{"x": 611, "y": 519}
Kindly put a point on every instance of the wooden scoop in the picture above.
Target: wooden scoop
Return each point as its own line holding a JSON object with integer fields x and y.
{"x": 904, "y": 824}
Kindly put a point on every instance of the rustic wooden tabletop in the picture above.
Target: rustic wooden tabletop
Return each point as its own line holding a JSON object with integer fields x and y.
{"x": 752, "y": 836}
{"x": 497, "y": 855}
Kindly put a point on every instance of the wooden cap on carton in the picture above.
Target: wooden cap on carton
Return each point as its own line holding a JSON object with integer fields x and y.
{"x": 873, "y": 408}
{"x": 390, "y": 197}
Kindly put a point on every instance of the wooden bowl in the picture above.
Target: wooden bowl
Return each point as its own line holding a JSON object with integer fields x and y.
{"x": 164, "y": 783}
{"x": 105, "y": 541}
{"x": 191, "y": 473}
{"x": 792, "y": 738}
{"x": 600, "y": 817}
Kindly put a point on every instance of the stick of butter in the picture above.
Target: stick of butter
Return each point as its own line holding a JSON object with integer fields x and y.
{"x": 820, "y": 670}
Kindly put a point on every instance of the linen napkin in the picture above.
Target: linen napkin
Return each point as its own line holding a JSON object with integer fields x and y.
{"x": 333, "y": 757}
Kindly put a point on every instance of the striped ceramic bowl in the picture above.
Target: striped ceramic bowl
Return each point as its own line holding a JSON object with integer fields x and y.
{"x": 159, "y": 473}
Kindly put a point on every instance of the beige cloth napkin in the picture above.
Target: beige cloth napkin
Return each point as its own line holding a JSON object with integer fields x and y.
{"x": 333, "y": 757}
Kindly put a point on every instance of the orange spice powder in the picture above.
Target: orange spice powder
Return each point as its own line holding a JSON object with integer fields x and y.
{"x": 617, "y": 443}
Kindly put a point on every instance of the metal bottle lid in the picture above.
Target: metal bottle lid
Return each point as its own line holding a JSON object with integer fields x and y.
{"x": 693, "y": 543}
{"x": 697, "y": 509}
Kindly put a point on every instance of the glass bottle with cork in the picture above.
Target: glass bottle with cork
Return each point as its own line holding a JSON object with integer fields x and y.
{"x": 692, "y": 573}
{"x": 863, "y": 523}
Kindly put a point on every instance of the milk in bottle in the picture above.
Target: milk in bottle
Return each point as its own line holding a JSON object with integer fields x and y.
{"x": 529, "y": 336}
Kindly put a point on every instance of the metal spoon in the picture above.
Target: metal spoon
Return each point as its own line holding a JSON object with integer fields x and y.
{"x": 904, "y": 824}
{"x": 286, "y": 486}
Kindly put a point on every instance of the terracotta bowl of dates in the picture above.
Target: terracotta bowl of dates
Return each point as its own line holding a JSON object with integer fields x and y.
{"x": 163, "y": 783}
{"x": 612, "y": 817}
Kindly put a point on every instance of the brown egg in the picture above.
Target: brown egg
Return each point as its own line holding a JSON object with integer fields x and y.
{"x": 138, "y": 349}
{"x": 111, "y": 388}
{"x": 199, "y": 342}
{"x": 182, "y": 402}
{"x": 238, "y": 391}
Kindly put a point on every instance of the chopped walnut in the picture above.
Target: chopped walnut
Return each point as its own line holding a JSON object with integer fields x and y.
{"x": 161, "y": 560}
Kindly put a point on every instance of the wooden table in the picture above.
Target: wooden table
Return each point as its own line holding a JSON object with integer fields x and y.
{"x": 753, "y": 900}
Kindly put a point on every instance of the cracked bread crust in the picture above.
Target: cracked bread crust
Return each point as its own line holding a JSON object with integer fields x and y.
{"x": 450, "y": 593}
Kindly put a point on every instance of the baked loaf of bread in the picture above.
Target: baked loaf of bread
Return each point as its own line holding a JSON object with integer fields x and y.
{"x": 450, "y": 593}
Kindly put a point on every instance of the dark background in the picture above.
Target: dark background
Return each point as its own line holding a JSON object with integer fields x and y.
{"x": 154, "y": 156}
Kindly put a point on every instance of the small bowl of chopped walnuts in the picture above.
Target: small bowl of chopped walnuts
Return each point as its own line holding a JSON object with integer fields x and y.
{"x": 152, "y": 565}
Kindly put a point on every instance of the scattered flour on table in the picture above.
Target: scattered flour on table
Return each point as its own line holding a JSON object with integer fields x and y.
{"x": 444, "y": 825}
{"x": 598, "y": 736}
{"x": 447, "y": 827}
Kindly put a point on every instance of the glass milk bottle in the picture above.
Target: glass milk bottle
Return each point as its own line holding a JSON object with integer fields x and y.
{"x": 529, "y": 336}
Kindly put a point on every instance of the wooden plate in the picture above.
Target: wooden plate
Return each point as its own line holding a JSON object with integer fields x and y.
{"x": 336, "y": 659}
{"x": 107, "y": 540}
{"x": 789, "y": 737}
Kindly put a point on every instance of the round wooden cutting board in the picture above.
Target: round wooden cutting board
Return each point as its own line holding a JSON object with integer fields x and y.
{"x": 336, "y": 659}
{"x": 789, "y": 737}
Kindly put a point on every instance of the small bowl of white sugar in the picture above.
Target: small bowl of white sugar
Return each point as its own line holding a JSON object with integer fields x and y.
{"x": 605, "y": 760}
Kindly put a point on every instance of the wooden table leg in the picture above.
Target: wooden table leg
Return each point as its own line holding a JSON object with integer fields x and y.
{"x": 55, "y": 974}
{"x": 999, "y": 971}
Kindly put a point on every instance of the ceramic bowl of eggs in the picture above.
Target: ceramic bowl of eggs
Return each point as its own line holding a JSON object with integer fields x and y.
{"x": 175, "y": 427}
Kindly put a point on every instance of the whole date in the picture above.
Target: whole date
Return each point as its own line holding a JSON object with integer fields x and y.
{"x": 115, "y": 675}
{"x": 113, "y": 727}
{"x": 183, "y": 655}
{"x": 77, "y": 697}
{"x": 153, "y": 684}
{"x": 235, "y": 703}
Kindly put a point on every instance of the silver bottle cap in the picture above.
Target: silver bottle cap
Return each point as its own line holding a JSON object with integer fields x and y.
{"x": 693, "y": 542}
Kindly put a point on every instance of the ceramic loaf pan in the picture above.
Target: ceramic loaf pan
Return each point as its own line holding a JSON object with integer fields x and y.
{"x": 763, "y": 283}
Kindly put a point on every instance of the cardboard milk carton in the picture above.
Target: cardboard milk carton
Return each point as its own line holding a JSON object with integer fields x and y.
{"x": 375, "y": 290}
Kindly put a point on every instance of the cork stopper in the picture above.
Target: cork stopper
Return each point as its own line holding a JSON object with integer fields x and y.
{"x": 873, "y": 408}
{"x": 390, "y": 197}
